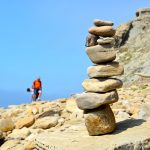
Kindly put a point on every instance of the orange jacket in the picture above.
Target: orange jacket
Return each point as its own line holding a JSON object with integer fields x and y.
{"x": 37, "y": 84}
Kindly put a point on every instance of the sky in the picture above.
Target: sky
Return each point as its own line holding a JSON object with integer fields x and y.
{"x": 46, "y": 38}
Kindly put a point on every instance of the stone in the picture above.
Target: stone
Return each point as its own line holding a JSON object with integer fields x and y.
{"x": 101, "y": 84}
{"x": 1, "y": 135}
{"x": 101, "y": 53}
{"x": 71, "y": 106}
{"x": 105, "y": 70}
{"x": 30, "y": 145}
{"x": 144, "y": 112}
{"x": 10, "y": 145}
{"x": 25, "y": 122}
{"x": 91, "y": 40}
{"x": 46, "y": 122}
{"x": 20, "y": 134}
{"x": 6, "y": 125}
{"x": 98, "y": 22}
{"x": 107, "y": 40}
{"x": 94, "y": 100}
{"x": 104, "y": 31}
{"x": 100, "y": 120}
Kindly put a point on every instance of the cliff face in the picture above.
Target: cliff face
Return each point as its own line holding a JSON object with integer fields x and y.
{"x": 133, "y": 46}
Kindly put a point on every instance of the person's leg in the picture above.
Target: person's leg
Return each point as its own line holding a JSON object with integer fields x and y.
{"x": 39, "y": 95}
{"x": 35, "y": 95}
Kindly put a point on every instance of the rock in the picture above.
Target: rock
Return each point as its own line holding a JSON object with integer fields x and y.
{"x": 144, "y": 112}
{"x": 94, "y": 100}
{"x": 46, "y": 122}
{"x": 6, "y": 125}
{"x": 101, "y": 53}
{"x": 20, "y": 134}
{"x": 107, "y": 40}
{"x": 143, "y": 12}
{"x": 1, "y": 135}
{"x": 30, "y": 146}
{"x": 131, "y": 134}
{"x": 10, "y": 145}
{"x": 98, "y": 22}
{"x": 122, "y": 116}
{"x": 100, "y": 120}
{"x": 91, "y": 40}
{"x": 105, "y": 70}
{"x": 101, "y": 84}
{"x": 25, "y": 122}
{"x": 105, "y": 31}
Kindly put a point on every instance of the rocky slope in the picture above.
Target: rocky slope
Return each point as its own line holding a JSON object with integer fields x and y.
{"x": 60, "y": 125}
{"x": 133, "y": 46}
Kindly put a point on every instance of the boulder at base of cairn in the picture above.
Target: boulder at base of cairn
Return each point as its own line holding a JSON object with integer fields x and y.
{"x": 105, "y": 70}
{"x": 100, "y": 121}
{"x": 98, "y": 22}
{"x": 105, "y": 31}
{"x": 101, "y": 84}
{"x": 101, "y": 53}
{"x": 94, "y": 100}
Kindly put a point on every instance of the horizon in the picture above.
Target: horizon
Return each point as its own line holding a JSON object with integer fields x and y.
{"x": 47, "y": 39}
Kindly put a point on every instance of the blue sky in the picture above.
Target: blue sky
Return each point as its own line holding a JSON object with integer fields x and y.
{"x": 46, "y": 38}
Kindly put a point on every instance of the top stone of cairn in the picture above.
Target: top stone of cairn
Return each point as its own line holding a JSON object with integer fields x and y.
{"x": 98, "y": 23}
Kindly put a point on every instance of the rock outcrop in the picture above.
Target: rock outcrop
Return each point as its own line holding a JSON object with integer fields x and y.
{"x": 132, "y": 43}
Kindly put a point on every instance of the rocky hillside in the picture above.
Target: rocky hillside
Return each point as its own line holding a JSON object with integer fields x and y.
{"x": 133, "y": 46}
{"x": 60, "y": 125}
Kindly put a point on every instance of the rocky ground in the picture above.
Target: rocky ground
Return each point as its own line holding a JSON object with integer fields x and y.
{"x": 60, "y": 124}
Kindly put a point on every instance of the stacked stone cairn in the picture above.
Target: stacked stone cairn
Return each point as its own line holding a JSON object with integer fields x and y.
{"x": 100, "y": 89}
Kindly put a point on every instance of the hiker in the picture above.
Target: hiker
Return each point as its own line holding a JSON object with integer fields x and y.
{"x": 37, "y": 89}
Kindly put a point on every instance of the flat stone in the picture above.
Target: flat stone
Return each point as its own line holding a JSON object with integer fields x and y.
{"x": 46, "y": 122}
{"x": 94, "y": 100}
{"x": 91, "y": 40}
{"x": 107, "y": 40}
{"x": 101, "y": 84}
{"x": 100, "y": 120}
{"x": 98, "y": 22}
{"x": 25, "y": 122}
{"x": 105, "y": 31}
{"x": 105, "y": 70}
{"x": 99, "y": 54}
{"x": 6, "y": 125}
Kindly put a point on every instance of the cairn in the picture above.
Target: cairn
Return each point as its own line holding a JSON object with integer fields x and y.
{"x": 100, "y": 88}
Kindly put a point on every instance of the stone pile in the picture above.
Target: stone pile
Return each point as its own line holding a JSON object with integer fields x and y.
{"x": 100, "y": 89}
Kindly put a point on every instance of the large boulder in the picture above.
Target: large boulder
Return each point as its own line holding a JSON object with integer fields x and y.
{"x": 101, "y": 84}
{"x": 46, "y": 122}
{"x": 94, "y": 100}
{"x": 6, "y": 125}
{"x": 91, "y": 40}
{"x": 105, "y": 70}
{"x": 98, "y": 22}
{"x": 101, "y": 53}
{"x": 105, "y": 31}
{"x": 25, "y": 122}
{"x": 100, "y": 120}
